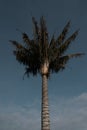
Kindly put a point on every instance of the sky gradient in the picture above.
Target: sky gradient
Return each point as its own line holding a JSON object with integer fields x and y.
{"x": 20, "y": 100}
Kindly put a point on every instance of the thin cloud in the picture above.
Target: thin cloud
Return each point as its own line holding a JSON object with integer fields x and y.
{"x": 19, "y": 118}
{"x": 71, "y": 114}
{"x": 66, "y": 114}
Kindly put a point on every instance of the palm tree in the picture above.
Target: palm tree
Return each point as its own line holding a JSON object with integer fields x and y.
{"x": 44, "y": 56}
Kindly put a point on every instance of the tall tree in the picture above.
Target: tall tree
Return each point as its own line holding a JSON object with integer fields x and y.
{"x": 44, "y": 56}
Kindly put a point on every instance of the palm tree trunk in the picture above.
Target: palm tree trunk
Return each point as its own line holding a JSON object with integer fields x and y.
{"x": 45, "y": 120}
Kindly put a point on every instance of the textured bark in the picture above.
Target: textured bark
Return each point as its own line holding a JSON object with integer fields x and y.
{"x": 45, "y": 120}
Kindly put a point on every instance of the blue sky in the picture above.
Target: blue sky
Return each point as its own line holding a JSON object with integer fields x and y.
{"x": 20, "y": 99}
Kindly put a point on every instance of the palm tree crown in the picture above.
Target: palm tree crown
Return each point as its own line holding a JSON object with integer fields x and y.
{"x": 41, "y": 55}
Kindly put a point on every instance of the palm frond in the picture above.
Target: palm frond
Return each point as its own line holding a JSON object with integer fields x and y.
{"x": 74, "y": 55}
{"x": 62, "y": 36}
{"x": 59, "y": 63}
{"x": 30, "y": 43}
{"x": 66, "y": 44}
{"x": 69, "y": 56}
{"x": 26, "y": 39}
{"x": 36, "y": 29}
{"x": 64, "y": 59}
{"x": 52, "y": 42}
{"x": 44, "y": 38}
{"x": 43, "y": 24}
{"x": 43, "y": 28}
{"x": 17, "y": 45}
{"x": 51, "y": 48}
